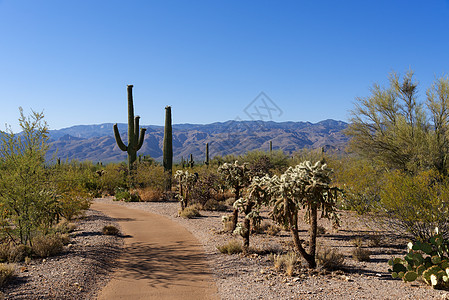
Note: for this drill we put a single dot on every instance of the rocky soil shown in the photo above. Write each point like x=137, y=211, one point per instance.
x=83, y=268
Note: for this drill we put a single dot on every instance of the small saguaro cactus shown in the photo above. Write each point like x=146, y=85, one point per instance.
x=206, y=162
x=168, y=149
x=191, y=162
x=271, y=147
x=135, y=140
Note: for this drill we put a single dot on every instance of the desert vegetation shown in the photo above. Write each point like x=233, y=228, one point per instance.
x=395, y=172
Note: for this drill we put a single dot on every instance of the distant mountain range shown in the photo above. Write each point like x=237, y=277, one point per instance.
x=97, y=143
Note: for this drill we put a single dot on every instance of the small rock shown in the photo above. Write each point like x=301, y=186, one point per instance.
x=296, y=279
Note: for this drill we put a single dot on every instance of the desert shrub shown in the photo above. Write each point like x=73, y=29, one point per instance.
x=114, y=176
x=126, y=195
x=273, y=229
x=149, y=175
x=232, y=247
x=110, y=230
x=416, y=204
x=361, y=254
x=64, y=227
x=10, y=252
x=329, y=258
x=286, y=262
x=189, y=212
x=47, y=245
x=357, y=242
x=6, y=273
x=375, y=240
x=150, y=194
x=320, y=230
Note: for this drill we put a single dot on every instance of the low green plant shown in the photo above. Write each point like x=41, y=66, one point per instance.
x=6, y=273
x=428, y=261
x=232, y=247
x=126, y=195
x=110, y=230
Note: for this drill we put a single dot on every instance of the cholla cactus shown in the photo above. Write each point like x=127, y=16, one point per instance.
x=237, y=177
x=303, y=186
x=186, y=182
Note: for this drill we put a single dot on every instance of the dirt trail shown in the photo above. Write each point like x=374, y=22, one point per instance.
x=161, y=259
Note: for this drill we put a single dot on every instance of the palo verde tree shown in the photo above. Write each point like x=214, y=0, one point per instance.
x=135, y=140
x=303, y=186
x=27, y=201
x=393, y=128
x=236, y=177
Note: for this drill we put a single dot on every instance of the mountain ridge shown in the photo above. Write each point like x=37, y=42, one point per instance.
x=96, y=142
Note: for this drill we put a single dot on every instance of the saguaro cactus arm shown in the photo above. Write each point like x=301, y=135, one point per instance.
x=118, y=139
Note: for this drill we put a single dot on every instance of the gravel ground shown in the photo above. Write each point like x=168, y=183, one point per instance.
x=77, y=273
x=253, y=276
x=82, y=269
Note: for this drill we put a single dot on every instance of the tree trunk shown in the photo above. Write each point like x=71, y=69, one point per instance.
x=313, y=230
x=293, y=220
x=235, y=213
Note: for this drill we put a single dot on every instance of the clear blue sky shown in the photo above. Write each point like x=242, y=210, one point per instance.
x=209, y=59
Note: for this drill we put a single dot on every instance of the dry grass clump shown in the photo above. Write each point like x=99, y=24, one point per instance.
x=232, y=247
x=357, y=242
x=320, y=230
x=286, y=262
x=10, y=252
x=330, y=258
x=375, y=240
x=110, y=230
x=48, y=245
x=189, y=212
x=361, y=254
x=6, y=273
x=65, y=227
x=150, y=194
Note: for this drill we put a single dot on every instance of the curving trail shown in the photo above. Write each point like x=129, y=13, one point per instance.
x=161, y=259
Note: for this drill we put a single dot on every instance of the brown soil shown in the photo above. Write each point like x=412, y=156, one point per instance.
x=160, y=260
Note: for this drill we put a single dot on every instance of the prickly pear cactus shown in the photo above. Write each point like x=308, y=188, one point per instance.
x=426, y=260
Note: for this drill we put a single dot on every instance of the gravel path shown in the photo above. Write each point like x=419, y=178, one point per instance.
x=77, y=273
x=81, y=270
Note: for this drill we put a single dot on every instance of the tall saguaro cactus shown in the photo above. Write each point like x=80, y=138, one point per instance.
x=168, y=149
x=135, y=140
x=206, y=162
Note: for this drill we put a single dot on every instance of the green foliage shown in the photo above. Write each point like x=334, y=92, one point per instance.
x=360, y=181
x=122, y=194
x=392, y=128
x=416, y=203
x=304, y=186
x=28, y=203
x=150, y=176
x=426, y=260
x=115, y=176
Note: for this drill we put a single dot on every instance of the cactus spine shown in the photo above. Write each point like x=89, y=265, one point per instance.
x=135, y=140
x=206, y=162
x=168, y=149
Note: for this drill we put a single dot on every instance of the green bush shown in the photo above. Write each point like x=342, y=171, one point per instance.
x=416, y=204
x=126, y=195
x=10, y=252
